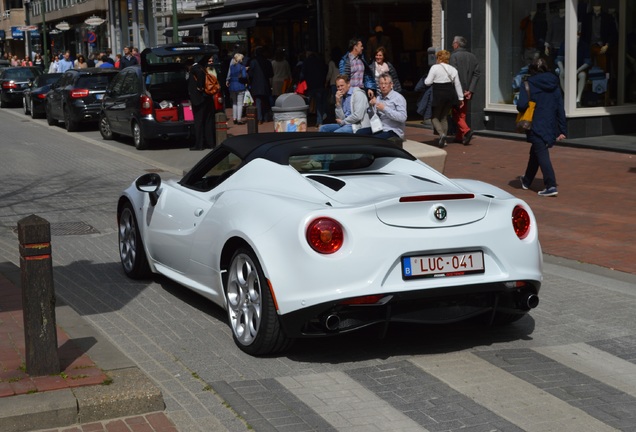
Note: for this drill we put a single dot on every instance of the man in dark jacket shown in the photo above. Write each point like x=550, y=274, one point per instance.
x=127, y=59
x=354, y=65
x=314, y=72
x=468, y=72
x=202, y=105
x=260, y=73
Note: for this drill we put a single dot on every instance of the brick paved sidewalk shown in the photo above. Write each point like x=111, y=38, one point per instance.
x=153, y=422
x=77, y=369
x=589, y=221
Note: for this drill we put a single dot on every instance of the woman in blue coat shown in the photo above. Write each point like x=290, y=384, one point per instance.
x=236, y=80
x=548, y=124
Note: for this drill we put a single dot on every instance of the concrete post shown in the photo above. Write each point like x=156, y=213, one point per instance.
x=38, y=296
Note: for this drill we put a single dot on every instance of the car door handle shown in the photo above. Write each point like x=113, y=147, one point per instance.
x=198, y=212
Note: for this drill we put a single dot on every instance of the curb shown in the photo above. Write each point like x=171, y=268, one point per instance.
x=130, y=393
x=432, y=156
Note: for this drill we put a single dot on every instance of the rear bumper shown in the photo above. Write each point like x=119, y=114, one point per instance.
x=431, y=306
x=85, y=113
x=12, y=96
x=153, y=129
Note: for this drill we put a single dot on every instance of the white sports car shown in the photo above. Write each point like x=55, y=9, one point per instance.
x=314, y=234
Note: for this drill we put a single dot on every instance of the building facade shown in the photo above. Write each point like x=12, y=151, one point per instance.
x=505, y=35
x=590, y=44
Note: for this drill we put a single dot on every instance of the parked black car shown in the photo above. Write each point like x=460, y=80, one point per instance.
x=34, y=96
x=150, y=101
x=13, y=81
x=76, y=97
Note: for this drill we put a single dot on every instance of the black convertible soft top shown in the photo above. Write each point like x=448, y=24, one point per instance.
x=278, y=147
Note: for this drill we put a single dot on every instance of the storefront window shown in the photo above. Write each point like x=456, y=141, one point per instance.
x=584, y=37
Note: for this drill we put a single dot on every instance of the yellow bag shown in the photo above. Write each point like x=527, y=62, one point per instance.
x=524, y=119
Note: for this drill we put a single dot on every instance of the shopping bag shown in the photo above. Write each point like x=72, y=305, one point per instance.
x=247, y=98
x=376, y=123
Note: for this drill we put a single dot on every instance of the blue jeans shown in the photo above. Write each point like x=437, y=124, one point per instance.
x=335, y=127
x=540, y=158
x=383, y=134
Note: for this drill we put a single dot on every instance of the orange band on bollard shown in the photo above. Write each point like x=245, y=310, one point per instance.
x=37, y=257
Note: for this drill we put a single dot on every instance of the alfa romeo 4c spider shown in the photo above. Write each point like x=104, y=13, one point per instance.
x=312, y=234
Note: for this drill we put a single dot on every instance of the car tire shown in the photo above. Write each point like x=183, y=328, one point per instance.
x=70, y=124
x=3, y=103
x=49, y=118
x=250, y=307
x=25, y=106
x=141, y=143
x=105, y=129
x=131, y=249
x=33, y=114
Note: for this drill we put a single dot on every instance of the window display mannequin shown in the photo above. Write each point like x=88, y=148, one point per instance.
x=556, y=34
x=583, y=63
x=534, y=27
x=599, y=32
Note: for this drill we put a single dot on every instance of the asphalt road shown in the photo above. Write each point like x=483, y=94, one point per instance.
x=569, y=366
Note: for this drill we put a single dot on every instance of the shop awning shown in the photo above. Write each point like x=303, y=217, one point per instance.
x=247, y=18
x=189, y=28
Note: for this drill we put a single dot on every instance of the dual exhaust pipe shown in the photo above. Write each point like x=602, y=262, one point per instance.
x=526, y=301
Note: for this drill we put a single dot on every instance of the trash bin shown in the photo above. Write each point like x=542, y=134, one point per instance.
x=290, y=113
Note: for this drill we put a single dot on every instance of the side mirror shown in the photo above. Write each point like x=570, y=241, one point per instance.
x=149, y=183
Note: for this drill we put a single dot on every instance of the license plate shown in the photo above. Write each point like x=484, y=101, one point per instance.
x=99, y=96
x=443, y=265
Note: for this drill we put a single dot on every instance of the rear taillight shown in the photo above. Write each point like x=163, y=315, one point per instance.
x=41, y=96
x=520, y=222
x=325, y=235
x=79, y=93
x=145, y=104
x=9, y=85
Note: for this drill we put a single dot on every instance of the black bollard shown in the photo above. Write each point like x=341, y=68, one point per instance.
x=221, y=127
x=252, y=122
x=38, y=296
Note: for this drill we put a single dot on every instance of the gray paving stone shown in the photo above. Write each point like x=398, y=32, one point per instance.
x=591, y=396
x=439, y=408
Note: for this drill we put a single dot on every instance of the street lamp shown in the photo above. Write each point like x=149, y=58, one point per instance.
x=44, y=43
x=45, y=47
x=175, y=23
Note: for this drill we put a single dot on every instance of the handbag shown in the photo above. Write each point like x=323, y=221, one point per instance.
x=524, y=119
x=455, y=101
x=301, y=88
x=287, y=85
x=218, y=102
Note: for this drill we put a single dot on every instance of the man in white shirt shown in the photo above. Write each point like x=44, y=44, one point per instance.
x=391, y=108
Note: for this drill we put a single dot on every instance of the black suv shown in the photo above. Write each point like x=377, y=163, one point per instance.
x=13, y=81
x=76, y=97
x=150, y=101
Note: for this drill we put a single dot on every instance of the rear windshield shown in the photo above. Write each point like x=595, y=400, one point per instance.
x=96, y=82
x=19, y=74
x=330, y=162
